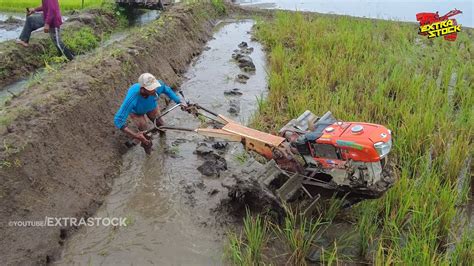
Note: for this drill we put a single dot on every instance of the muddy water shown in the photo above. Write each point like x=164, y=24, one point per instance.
x=10, y=31
x=167, y=201
x=134, y=20
x=143, y=17
x=11, y=91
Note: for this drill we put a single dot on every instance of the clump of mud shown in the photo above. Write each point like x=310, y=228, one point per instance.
x=233, y=92
x=243, y=59
x=242, y=78
x=245, y=192
x=234, y=107
x=213, y=164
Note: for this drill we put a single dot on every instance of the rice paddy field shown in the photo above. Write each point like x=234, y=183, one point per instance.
x=20, y=5
x=381, y=72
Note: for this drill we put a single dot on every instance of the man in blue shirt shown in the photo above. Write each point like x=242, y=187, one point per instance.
x=141, y=102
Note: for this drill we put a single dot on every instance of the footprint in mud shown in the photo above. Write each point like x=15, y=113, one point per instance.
x=233, y=92
x=234, y=107
x=190, y=189
x=243, y=59
x=213, y=162
x=242, y=78
x=172, y=152
x=178, y=142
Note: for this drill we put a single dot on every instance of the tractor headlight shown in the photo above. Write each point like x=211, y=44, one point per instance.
x=383, y=148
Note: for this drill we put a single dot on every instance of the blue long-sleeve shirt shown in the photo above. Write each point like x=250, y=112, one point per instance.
x=135, y=103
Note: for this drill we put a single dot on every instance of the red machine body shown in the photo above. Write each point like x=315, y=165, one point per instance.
x=348, y=145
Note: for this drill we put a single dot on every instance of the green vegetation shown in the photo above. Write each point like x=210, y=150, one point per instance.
x=298, y=233
x=241, y=157
x=383, y=72
x=219, y=6
x=296, y=236
x=79, y=41
x=246, y=248
x=20, y=5
x=82, y=40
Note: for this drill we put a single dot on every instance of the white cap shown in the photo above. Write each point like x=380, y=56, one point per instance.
x=148, y=81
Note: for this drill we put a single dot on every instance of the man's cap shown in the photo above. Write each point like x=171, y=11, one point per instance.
x=148, y=81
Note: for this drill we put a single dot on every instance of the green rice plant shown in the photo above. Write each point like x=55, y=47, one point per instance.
x=331, y=211
x=236, y=252
x=255, y=232
x=367, y=228
x=219, y=6
x=242, y=157
x=383, y=72
x=329, y=257
x=382, y=259
x=463, y=252
x=298, y=233
x=246, y=248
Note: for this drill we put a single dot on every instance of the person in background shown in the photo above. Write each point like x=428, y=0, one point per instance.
x=50, y=18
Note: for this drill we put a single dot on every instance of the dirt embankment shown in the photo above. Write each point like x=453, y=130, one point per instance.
x=17, y=61
x=60, y=149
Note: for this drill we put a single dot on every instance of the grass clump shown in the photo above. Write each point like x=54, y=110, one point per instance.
x=78, y=41
x=295, y=238
x=219, y=6
x=81, y=41
x=383, y=72
x=246, y=248
x=241, y=157
x=298, y=233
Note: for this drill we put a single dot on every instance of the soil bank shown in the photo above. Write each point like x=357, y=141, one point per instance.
x=18, y=62
x=60, y=149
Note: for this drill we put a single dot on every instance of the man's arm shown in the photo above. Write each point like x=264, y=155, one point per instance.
x=32, y=10
x=169, y=92
x=136, y=135
x=120, y=119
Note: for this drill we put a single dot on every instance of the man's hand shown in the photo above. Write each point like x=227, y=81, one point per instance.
x=30, y=11
x=184, y=107
x=46, y=28
x=142, y=138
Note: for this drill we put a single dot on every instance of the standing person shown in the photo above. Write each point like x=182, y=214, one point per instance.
x=51, y=20
x=140, y=103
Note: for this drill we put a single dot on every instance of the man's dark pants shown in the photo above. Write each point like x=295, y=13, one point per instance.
x=36, y=21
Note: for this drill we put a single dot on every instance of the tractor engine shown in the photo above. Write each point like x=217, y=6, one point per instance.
x=350, y=155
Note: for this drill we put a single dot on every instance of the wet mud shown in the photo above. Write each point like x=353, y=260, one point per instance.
x=172, y=196
x=61, y=151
